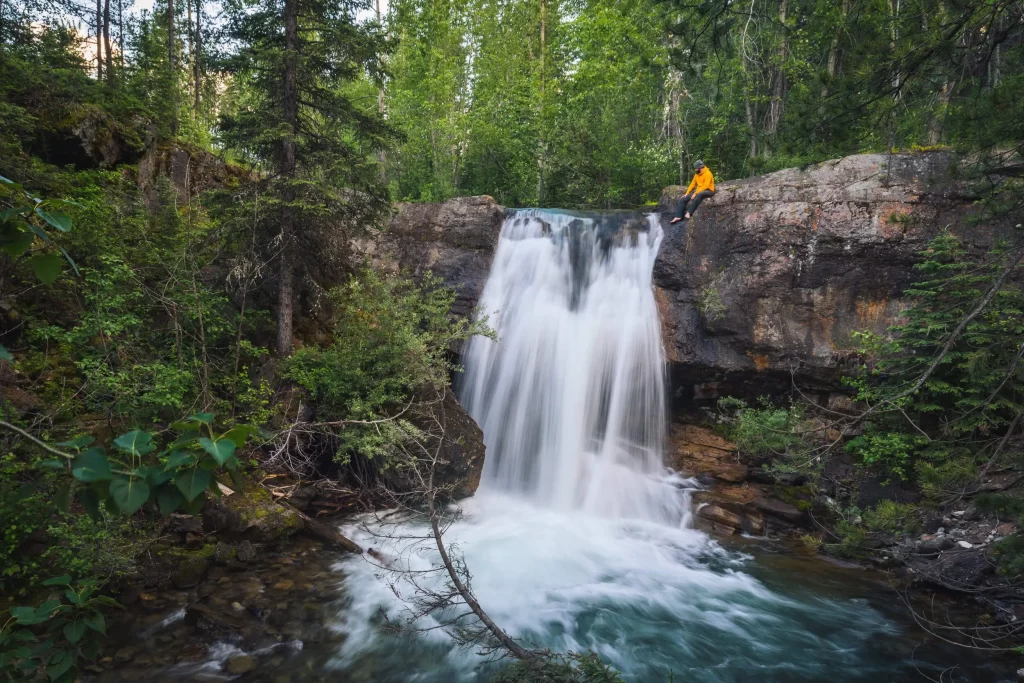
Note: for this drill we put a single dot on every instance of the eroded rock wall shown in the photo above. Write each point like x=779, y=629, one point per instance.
x=775, y=273
x=455, y=240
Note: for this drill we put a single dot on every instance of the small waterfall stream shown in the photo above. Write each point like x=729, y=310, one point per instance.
x=571, y=396
x=578, y=538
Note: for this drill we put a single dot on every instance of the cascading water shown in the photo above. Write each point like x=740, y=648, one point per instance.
x=571, y=397
x=577, y=540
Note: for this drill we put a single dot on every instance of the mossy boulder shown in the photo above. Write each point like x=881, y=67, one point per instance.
x=250, y=515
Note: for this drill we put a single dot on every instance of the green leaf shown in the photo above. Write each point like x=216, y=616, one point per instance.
x=221, y=450
x=57, y=219
x=73, y=597
x=58, y=581
x=129, y=494
x=194, y=507
x=5, y=354
x=90, y=501
x=62, y=497
x=74, y=631
x=96, y=622
x=47, y=608
x=53, y=464
x=239, y=435
x=135, y=442
x=15, y=242
x=47, y=267
x=168, y=500
x=55, y=671
x=92, y=465
x=79, y=442
x=205, y=418
x=26, y=616
x=177, y=459
x=193, y=483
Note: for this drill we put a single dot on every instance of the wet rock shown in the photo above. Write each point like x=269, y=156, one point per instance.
x=241, y=664
x=191, y=570
x=720, y=516
x=246, y=552
x=964, y=545
x=697, y=451
x=930, y=544
x=252, y=516
x=872, y=491
x=779, y=509
x=223, y=554
x=956, y=569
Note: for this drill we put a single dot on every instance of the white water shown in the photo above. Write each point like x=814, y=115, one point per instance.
x=578, y=538
x=571, y=397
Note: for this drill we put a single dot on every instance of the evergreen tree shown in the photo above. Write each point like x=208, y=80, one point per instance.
x=294, y=118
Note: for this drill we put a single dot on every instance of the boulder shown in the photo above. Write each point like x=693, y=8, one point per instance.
x=455, y=240
x=250, y=516
x=697, y=451
x=774, y=273
x=187, y=170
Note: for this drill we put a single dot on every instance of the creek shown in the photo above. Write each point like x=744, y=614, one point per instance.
x=579, y=538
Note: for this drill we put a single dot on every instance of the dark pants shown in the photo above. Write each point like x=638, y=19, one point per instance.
x=693, y=201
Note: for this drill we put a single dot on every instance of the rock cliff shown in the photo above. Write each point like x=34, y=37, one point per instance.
x=455, y=240
x=774, y=273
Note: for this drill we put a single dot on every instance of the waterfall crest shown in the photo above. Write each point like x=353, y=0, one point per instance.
x=571, y=398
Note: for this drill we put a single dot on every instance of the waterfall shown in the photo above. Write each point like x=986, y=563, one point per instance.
x=571, y=396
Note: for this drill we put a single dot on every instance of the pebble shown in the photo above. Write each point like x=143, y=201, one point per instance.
x=941, y=530
x=959, y=513
x=236, y=666
x=965, y=545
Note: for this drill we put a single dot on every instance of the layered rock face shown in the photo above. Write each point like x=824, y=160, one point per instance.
x=774, y=273
x=455, y=240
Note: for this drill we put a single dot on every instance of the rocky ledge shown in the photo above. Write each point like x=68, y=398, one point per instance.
x=774, y=273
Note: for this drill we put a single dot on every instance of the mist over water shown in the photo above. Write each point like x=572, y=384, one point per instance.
x=579, y=538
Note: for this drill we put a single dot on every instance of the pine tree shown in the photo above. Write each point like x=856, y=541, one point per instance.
x=297, y=121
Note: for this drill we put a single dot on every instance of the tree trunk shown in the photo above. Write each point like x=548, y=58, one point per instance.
x=197, y=63
x=106, y=41
x=381, y=154
x=832, y=65
x=171, y=66
x=747, y=101
x=99, y=40
x=894, y=38
x=938, y=118
x=777, y=102
x=286, y=287
x=120, y=33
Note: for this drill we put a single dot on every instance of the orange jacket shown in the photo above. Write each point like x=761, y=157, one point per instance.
x=701, y=181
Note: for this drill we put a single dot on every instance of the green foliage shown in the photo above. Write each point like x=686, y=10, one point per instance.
x=391, y=340
x=937, y=433
x=26, y=226
x=50, y=639
x=570, y=668
x=1009, y=556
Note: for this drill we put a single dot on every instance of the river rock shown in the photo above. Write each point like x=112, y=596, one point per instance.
x=246, y=552
x=779, y=509
x=241, y=664
x=718, y=515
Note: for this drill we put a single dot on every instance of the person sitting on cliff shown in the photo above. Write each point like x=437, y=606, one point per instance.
x=701, y=187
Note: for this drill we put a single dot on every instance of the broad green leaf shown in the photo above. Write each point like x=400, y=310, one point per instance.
x=78, y=442
x=53, y=464
x=221, y=449
x=56, y=671
x=157, y=477
x=47, y=608
x=205, y=418
x=58, y=581
x=177, y=459
x=57, y=219
x=10, y=213
x=193, y=483
x=239, y=435
x=5, y=354
x=92, y=465
x=194, y=507
x=16, y=242
x=129, y=494
x=135, y=442
x=73, y=597
x=90, y=501
x=168, y=500
x=71, y=261
x=96, y=622
x=47, y=267
x=62, y=497
x=74, y=631
x=26, y=616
